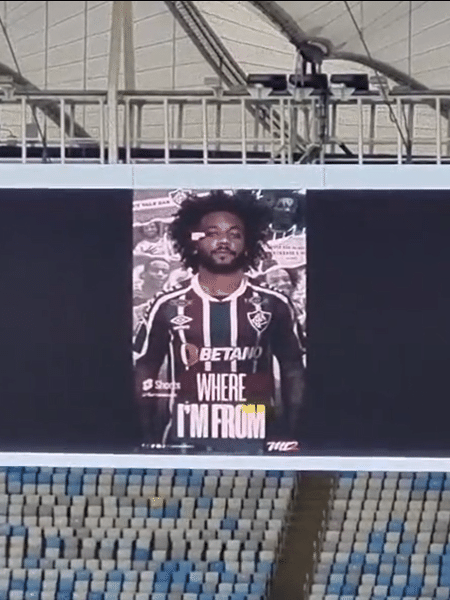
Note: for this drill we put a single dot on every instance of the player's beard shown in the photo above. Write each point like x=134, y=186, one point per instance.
x=208, y=263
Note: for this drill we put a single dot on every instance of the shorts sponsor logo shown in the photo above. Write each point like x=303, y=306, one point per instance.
x=151, y=384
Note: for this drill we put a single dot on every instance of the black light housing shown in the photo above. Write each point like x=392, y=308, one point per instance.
x=316, y=81
x=357, y=81
x=276, y=82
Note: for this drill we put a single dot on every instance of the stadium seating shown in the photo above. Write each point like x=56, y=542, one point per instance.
x=387, y=538
x=104, y=534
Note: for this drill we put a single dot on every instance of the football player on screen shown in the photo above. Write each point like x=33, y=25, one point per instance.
x=219, y=337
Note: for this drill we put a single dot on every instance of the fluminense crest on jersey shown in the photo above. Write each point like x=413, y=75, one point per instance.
x=259, y=320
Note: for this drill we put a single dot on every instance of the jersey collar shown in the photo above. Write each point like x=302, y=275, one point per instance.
x=199, y=290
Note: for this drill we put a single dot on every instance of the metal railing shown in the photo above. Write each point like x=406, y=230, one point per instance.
x=207, y=127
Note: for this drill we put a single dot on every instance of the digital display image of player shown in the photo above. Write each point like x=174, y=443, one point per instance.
x=205, y=351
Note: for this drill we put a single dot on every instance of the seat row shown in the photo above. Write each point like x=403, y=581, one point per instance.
x=151, y=471
x=149, y=491
x=244, y=568
x=20, y=595
x=374, y=475
x=11, y=530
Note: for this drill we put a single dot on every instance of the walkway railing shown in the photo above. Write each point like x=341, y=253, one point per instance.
x=209, y=127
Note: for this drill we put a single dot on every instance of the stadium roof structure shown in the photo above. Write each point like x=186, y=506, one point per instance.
x=59, y=45
x=180, y=45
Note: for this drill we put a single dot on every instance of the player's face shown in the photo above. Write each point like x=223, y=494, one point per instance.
x=280, y=281
x=222, y=247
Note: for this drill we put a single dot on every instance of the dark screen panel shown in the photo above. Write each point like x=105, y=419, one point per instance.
x=65, y=318
x=378, y=322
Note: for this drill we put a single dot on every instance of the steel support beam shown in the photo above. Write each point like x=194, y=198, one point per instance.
x=115, y=47
x=128, y=47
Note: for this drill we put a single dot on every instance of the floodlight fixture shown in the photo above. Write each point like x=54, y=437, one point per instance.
x=356, y=81
x=261, y=85
x=303, y=85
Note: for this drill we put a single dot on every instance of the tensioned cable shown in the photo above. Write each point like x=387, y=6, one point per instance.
x=378, y=76
x=19, y=72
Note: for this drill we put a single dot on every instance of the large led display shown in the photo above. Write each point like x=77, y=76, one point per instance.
x=219, y=282
x=277, y=324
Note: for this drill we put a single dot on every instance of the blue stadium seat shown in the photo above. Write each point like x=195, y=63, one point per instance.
x=349, y=589
x=17, y=585
x=384, y=579
x=433, y=559
x=370, y=569
x=401, y=569
x=406, y=548
x=141, y=554
x=203, y=502
x=412, y=590
x=396, y=590
x=229, y=524
x=264, y=566
x=218, y=567
x=170, y=566
x=33, y=585
x=171, y=512
x=334, y=589
x=357, y=558
x=339, y=568
x=30, y=563
x=387, y=557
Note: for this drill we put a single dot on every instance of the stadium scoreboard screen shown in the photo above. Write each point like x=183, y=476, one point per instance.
x=271, y=313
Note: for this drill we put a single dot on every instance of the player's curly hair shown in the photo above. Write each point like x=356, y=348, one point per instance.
x=255, y=214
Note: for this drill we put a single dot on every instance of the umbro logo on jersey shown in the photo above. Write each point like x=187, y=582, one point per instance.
x=259, y=320
x=181, y=322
